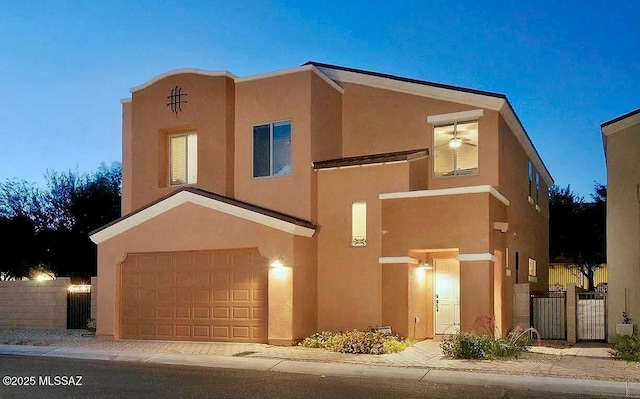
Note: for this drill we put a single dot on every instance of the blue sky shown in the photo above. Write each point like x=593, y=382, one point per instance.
x=566, y=66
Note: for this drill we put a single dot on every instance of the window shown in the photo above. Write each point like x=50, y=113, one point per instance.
x=272, y=149
x=533, y=267
x=359, y=224
x=537, y=188
x=455, y=149
x=530, y=179
x=183, y=158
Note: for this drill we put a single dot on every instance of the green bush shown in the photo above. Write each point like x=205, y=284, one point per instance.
x=356, y=341
x=626, y=348
x=481, y=346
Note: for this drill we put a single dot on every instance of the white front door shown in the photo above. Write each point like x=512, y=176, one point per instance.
x=447, y=296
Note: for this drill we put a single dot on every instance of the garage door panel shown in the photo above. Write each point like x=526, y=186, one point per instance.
x=221, y=313
x=202, y=295
x=221, y=295
x=205, y=295
x=165, y=295
x=202, y=331
x=147, y=330
x=183, y=280
x=241, y=313
x=165, y=280
x=242, y=332
x=221, y=278
x=183, y=331
x=182, y=312
x=147, y=312
x=258, y=295
x=146, y=296
x=165, y=331
x=200, y=313
x=241, y=295
x=258, y=313
x=183, y=295
x=241, y=277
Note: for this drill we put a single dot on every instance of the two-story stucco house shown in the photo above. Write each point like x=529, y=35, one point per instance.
x=268, y=207
x=621, y=140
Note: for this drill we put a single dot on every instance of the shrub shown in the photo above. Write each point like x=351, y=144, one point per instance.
x=626, y=348
x=482, y=346
x=370, y=341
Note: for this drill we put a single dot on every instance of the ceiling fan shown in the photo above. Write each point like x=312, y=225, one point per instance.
x=458, y=139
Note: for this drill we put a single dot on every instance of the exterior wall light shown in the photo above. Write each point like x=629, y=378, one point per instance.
x=79, y=289
x=425, y=266
x=277, y=263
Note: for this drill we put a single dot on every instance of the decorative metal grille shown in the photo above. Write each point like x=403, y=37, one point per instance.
x=176, y=100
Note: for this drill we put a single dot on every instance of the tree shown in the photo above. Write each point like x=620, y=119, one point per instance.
x=61, y=218
x=16, y=246
x=577, y=228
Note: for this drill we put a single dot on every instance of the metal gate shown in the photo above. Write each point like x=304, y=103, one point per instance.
x=78, y=307
x=549, y=314
x=592, y=316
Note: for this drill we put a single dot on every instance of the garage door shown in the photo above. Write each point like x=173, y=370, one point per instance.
x=204, y=295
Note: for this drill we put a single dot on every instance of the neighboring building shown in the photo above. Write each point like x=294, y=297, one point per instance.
x=268, y=207
x=561, y=274
x=621, y=138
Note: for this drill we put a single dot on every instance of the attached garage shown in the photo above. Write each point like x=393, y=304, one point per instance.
x=197, y=266
x=201, y=295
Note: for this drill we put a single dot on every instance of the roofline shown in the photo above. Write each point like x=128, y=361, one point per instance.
x=196, y=71
x=404, y=79
x=302, y=68
x=210, y=200
x=479, y=98
x=373, y=159
x=620, y=118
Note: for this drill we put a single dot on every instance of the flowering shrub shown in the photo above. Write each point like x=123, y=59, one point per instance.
x=370, y=341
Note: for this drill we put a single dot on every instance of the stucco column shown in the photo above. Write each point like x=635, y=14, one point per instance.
x=476, y=294
x=280, y=330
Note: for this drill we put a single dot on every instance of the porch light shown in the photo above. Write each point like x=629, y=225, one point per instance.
x=425, y=266
x=277, y=263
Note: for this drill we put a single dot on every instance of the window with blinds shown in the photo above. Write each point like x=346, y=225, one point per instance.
x=183, y=159
x=455, y=149
x=359, y=224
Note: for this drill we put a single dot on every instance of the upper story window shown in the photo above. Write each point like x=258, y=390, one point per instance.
x=183, y=159
x=272, y=149
x=359, y=224
x=455, y=149
x=537, y=188
x=530, y=179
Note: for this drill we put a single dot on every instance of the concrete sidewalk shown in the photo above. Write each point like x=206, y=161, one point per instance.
x=585, y=369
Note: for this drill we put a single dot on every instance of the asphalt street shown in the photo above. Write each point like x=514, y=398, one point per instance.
x=57, y=378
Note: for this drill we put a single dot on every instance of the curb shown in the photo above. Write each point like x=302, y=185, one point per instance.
x=423, y=375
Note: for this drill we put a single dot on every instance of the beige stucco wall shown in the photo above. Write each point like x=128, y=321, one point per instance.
x=377, y=120
x=190, y=227
x=148, y=122
x=528, y=229
x=346, y=274
x=34, y=304
x=94, y=297
x=623, y=225
x=262, y=101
